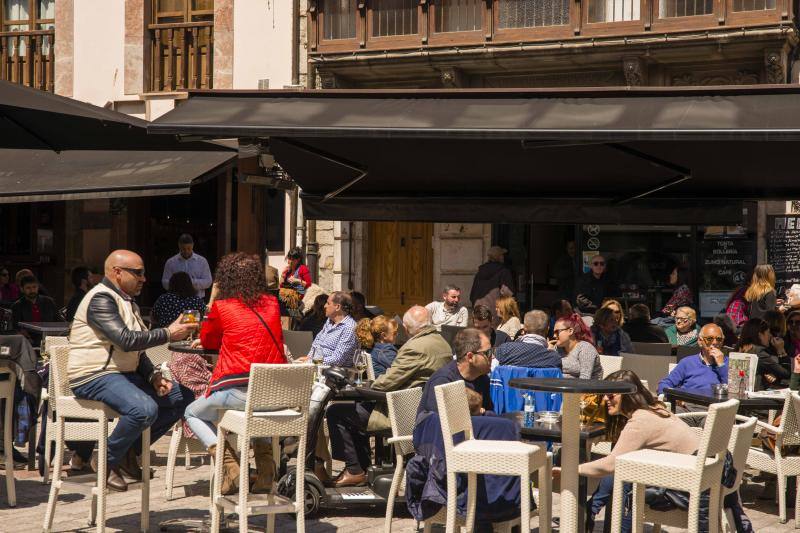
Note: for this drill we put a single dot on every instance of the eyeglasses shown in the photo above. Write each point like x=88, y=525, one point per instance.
x=488, y=353
x=714, y=339
x=682, y=319
x=557, y=332
x=138, y=272
x=598, y=263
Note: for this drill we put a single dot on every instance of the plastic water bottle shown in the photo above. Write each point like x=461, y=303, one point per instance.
x=529, y=410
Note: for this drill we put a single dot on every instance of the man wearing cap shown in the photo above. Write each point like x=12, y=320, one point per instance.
x=494, y=279
x=187, y=261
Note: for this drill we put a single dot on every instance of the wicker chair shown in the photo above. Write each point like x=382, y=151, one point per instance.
x=278, y=397
x=370, y=367
x=180, y=444
x=7, y=396
x=610, y=364
x=95, y=417
x=473, y=457
x=159, y=354
x=403, y=406
x=738, y=444
x=690, y=473
x=50, y=342
x=786, y=434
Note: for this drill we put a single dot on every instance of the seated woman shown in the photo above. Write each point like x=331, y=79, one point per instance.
x=616, y=308
x=756, y=338
x=579, y=358
x=681, y=293
x=377, y=336
x=609, y=337
x=244, y=325
x=643, y=422
x=315, y=319
x=180, y=297
x=508, y=314
x=685, y=330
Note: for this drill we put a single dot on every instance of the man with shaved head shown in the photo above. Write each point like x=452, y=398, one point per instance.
x=700, y=371
x=107, y=363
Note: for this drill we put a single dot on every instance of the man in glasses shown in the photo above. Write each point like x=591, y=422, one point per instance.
x=107, y=363
x=594, y=286
x=701, y=371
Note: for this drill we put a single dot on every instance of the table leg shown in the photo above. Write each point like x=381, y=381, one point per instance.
x=32, y=443
x=571, y=517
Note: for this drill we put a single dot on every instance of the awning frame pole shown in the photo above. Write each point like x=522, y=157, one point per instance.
x=684, y=173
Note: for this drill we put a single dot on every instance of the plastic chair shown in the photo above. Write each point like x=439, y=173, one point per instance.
x=370, y=367
x=738, y=444
x=402, y=406
x=498, y=457
x=691, y=473
x=95, y=417
x=652, y=348
x=50, y=342
x=610, y=364
x=298, y=342
x=786, y=434
x=7, y=396
x=278, y=397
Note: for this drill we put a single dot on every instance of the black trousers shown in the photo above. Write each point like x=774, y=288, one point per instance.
x=347, y=426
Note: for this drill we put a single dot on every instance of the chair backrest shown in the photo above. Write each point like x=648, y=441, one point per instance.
x=672, y=367
x=717, y=431
x=403, y=406
x=739, y=444
x=789, y=421
x=652, y=368
x=652, y=348
x=275, y=387
x=370, y=366
x=298, y=342
x=610, y=364
x=685, y=351
x=402, y=332
x=159, y=354
x=51, y=341
x=59, y=380
x=449, y=333
x=454, y=417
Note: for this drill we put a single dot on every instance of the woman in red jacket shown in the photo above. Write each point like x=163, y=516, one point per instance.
x=244, y=325
x=296, y=274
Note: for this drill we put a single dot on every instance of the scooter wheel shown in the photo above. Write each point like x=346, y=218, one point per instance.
x=312, y=500
x=312, y=496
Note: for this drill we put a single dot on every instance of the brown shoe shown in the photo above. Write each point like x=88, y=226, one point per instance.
x=322, y=473
x=346, y=479
x=115, y=481
x=130, y=466
x=265, y=467
x=230, y=469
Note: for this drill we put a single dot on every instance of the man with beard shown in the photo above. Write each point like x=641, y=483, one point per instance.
x=449, y=311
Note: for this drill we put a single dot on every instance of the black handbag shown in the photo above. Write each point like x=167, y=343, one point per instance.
x=663, y=499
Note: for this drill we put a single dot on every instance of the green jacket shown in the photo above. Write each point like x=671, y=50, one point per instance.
x=672, y=335
x=421, y=356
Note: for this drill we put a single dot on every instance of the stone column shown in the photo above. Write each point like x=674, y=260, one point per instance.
x=64, y=48
x=223, y=44
x=135, y=42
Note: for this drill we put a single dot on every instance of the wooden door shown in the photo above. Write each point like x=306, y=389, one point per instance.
x=400, y=265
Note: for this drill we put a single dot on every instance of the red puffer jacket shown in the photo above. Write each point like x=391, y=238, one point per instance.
x=234, y=329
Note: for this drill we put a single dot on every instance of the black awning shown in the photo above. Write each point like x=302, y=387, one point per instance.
x=43, y=175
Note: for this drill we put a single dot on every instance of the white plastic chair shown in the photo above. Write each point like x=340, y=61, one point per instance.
x=95, y=427
x=610, y=364
x=786, y=434
x=738, y=444
x=691, y=473
x=50, y=342
x=498, y=457
x=370, y=367
x=7, y=396
x=402, y=406
x=278, y=397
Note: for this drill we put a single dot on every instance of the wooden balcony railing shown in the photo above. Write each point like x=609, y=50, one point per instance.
x=26, y=57
x=346, y=26
x=182, y=56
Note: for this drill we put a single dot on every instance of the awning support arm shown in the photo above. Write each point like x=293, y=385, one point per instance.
x=683, y=172
x=362, y=172
x=32, y=133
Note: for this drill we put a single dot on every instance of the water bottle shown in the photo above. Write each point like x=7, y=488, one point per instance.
x=529, y=410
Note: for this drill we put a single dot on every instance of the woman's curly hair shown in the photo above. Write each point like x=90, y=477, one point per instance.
x=241, y=275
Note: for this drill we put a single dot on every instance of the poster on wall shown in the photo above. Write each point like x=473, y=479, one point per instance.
x=725, y=263
x=783, y=250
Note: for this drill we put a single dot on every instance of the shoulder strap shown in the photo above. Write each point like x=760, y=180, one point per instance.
x=264, y=323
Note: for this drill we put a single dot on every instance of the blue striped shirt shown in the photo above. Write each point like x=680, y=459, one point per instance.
x=337, y=342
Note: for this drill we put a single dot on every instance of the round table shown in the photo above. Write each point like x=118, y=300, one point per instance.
x=572, y=518
x=186, y=347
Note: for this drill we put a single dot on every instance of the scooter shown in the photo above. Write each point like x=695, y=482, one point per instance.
x=318, y=496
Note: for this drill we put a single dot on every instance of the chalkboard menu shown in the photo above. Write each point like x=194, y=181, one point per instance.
x=783, y=249
x=725, y=263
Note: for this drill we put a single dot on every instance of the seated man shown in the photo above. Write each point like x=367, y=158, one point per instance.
x=482, y=320
x=107, y=364
x=449, y=311
x=700, y=371
x=32, y=307
x=639, y=328
x=531, y=349
x=337, y=339
x=422, y=355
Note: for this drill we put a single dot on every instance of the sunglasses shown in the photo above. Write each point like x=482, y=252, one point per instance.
x=488, y=353
x=598, y=263
x=138, y=272
x=714, y=339
x=557, y=332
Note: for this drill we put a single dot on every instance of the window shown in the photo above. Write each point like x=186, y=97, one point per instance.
x=613, y=10
x=181, y=40
x=276, y=219
x=26, y=48
x=458, y=15
x=394, y=17
x=339, y=19
x=753, y=5
x=532, y=13
x=684, y=8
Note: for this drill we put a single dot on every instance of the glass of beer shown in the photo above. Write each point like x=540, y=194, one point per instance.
x=190, y=316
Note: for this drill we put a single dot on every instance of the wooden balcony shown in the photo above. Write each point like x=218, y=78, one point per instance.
x=182, y=56
x=348, y=26
x=26, y=57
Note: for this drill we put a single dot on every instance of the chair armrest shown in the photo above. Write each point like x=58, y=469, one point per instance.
x=768, y=427
x=404, y=438
x=693, y=414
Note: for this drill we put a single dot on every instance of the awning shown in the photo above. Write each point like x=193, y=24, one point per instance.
x=43, y=175
x=654, y=155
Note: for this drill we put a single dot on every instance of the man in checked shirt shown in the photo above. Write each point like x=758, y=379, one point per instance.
x=337, y=341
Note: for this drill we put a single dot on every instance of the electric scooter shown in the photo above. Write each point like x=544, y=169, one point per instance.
x=317, y=496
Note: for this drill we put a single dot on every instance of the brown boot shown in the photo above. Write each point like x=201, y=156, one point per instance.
x=265, y=466
x=230, y=469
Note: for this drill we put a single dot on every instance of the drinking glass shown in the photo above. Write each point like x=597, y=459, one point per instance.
x=190, y=316
x=360, y=364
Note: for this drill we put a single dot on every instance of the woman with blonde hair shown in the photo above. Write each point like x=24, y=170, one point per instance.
x=508, y=314
x=377, y=336
x=760, y=294
x=616, y=308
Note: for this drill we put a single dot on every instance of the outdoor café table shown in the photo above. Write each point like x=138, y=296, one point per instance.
x=186, y=347
x=572, y=515
x=60, y=329
x=705, y=398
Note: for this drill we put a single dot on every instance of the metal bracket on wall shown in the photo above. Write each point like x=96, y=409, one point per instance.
x=684, y=173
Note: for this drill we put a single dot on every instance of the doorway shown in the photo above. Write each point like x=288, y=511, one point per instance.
x=400, y=263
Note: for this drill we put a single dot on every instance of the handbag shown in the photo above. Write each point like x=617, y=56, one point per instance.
x=663, y=499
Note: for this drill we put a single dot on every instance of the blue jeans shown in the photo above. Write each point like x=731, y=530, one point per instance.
x=204, y=412
x=139, y=407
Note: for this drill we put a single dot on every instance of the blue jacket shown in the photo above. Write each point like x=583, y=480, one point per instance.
x=528, y=354
x=383, y=353
x=507, y=399
x=692, y=373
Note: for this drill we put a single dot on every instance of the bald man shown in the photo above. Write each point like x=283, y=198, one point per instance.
x=701, y=371
x=107, y=363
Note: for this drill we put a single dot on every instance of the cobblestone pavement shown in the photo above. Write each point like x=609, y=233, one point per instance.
x=190, y=501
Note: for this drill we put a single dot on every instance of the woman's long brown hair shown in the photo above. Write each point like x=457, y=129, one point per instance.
x=630, y=403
